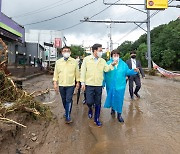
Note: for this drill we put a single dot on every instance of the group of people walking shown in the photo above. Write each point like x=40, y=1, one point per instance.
x=95, y=74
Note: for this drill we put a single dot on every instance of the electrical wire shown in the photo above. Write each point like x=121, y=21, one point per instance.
x=152, y=15
x=104, y=9
x=41, y=9
x=61, y=14
x=79, y=23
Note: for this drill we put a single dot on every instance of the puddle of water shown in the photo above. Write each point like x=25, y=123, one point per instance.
x=47, y=98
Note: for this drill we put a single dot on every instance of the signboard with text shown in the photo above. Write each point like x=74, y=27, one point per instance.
x=156, y=4
x=57, y=43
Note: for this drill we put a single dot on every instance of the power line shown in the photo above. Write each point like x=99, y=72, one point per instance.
x=71, y=26
x=170, y=1
x=79, y=23
x=104, y=9
x=61, y=14
x=136, y=27
x=42, y=9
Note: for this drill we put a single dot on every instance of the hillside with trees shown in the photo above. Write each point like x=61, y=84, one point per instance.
x=165, y=46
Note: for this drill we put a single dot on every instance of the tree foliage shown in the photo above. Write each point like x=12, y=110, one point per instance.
x=77, y=51
x=125, y=47
x=165, y=46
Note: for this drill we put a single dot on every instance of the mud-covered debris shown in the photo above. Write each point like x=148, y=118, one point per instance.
x=33, y=134
x=34, y=138
x=19, y=100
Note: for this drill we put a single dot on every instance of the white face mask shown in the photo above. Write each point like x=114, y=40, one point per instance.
x=116, y=58
x=66, y=54
x=99, y=54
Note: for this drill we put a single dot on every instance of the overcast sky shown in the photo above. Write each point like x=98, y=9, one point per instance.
x=26, y=12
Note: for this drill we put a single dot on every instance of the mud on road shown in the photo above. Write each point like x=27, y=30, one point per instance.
x=151, y=125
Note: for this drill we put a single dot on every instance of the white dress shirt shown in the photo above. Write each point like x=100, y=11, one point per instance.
x=133, y=61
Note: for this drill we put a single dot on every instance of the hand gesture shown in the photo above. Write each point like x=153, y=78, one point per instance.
x=114, y=63
x=136, y=69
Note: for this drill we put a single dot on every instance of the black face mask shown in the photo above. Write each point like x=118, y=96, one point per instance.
x=133, y=56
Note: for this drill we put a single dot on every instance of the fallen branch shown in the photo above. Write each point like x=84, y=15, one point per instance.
x=9, y=120
x=39, y=93
x=33, y=110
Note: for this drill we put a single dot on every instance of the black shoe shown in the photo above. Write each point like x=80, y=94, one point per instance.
x=137, y=95
x=132, y=98
x=119, y=117
x=113, y=112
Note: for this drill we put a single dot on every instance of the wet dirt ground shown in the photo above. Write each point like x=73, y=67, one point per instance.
x=152, y=123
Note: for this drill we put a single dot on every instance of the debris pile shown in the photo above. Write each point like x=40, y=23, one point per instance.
x=13, y=99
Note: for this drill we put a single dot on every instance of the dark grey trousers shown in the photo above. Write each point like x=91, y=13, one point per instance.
x=136, y=79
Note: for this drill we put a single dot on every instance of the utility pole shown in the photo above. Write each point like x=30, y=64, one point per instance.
x=38, y=54
x=0, y=6
x=148, y=39
x=50, y=48
x=110, y=38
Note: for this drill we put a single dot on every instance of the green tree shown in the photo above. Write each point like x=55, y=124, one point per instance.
x=165, y=46
x=76, y=51
x=141, y=54
x=168, y=57
x=126, y=57
x=125, y=48
x=142, y=39
x=165, y=43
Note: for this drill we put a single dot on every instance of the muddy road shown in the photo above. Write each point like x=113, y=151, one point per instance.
x=152, y=124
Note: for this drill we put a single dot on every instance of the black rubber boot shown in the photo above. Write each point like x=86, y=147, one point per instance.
x=119, y=117
x=113, y=112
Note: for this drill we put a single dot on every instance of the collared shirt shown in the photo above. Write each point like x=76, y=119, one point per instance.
x=133, y=61
x=66, y=72
x=95, y=59
x=92, y=71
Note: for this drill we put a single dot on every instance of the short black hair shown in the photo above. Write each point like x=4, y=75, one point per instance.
x=115, y=51
x=96, y=46
x=66, y=47
x=133, y=52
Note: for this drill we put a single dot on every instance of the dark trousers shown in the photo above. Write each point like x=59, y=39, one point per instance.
x=84, y=95
x=93, y=95
x=66, y=94
x=136, y=79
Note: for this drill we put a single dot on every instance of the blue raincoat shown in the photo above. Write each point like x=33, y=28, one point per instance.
x=115, y=82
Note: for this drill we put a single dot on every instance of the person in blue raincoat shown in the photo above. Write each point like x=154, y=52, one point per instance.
x=115, y=82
